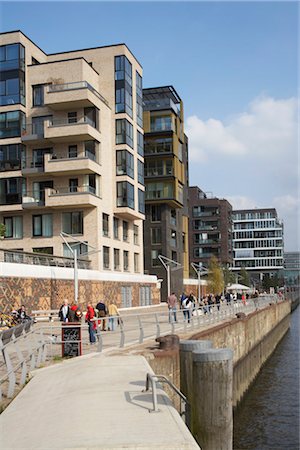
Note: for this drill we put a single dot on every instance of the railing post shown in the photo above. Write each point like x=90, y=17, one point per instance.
x=141, y=337
x=122, y=333
x=10, y=371
x=157, y=326
x=99, y=338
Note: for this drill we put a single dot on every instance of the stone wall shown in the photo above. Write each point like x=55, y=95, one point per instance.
x=41, y=293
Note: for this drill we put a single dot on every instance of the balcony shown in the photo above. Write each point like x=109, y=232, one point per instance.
x=63, y=197
x=161, y=104
x=209, y=241
x=86, y=163
x=72, y=95
x=63, y=131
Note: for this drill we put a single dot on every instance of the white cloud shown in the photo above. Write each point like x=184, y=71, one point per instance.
x=287, y=203
x=242, y=202
x=268, y=129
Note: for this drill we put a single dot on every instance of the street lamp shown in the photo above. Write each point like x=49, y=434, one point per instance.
x=167, y=263
x=63, y=235
x=199, y=269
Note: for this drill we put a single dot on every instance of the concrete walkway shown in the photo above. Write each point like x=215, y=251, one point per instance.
x=89, y=403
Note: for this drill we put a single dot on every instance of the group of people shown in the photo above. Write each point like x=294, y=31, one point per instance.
x=14, y=318
x=189, y=303
x=94, y=316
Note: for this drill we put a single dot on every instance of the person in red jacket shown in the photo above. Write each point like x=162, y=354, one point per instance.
x=90, y=314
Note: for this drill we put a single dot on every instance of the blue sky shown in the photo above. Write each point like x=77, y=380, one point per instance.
x=233, y=63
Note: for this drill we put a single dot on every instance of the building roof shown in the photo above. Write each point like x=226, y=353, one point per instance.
x=156, y=93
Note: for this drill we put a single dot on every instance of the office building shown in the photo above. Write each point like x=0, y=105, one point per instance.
x=71, y=152
x=292, y=268
x=258, y=242
x=210, y=228
x=166, y=185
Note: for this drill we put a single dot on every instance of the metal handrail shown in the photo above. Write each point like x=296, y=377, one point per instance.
x=153, y=379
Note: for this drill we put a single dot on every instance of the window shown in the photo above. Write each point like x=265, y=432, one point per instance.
x=12, y=57
x=136, y=234
x=160, y=145
x=145, y=296
x=11, y=191
x=10, y=156
x=82, y=249
x=116, y=228
x=123, y=85
x=155, y=235
x=12, y=124
x=125, y=194
x=155, y=213
x=13, y=227
x=105, y=257
x=136, y=262
x=72, y=117
x=125, y=260
x=42, y=225
x=72, y=222
x=154, y=258
x=125, y=163
x=90, y=150
x=72, y=151
x=161, y=123
x=140, y=172
x=12, y=90
x=116, y=259
x=125, y=231
x=38, y=95
x=139, y=99
x=159, y=190
x=140, y=143
x=73, y=185
x=126, y=295
x=45, y=250
x=124, y=132
x=105, y=224
x=141, y=201
x=173, y=219
x=173, y=238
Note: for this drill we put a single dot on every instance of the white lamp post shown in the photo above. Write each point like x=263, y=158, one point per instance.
x=167, y=263
x=199, y=269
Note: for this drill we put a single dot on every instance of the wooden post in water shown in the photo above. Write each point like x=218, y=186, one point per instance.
x=186, y=348
x=212, y=398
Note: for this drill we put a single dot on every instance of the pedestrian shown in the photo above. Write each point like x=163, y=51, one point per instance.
x=102, y=312
x=218, y=301
x=187, y=306
x=22, y=316
x=90, y=315
x=64, y=312
x=243, y=299
x=75, y=313
x=112, y=313
x=172, y=305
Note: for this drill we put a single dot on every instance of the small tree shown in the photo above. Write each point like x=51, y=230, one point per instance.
x=215, y=276
x=245, y=279
x=2, y=230
x=229, y=277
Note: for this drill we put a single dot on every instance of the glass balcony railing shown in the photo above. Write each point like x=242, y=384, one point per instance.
x=12, y=64
x=161, y=103
x=75, y=86
x=66, y=190
x=66, y=122
x=12, y=99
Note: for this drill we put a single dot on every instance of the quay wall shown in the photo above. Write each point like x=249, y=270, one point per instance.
x=252, y=339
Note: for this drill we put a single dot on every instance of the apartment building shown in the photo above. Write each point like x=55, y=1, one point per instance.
x=166, y=185
x=257, y=242
x=210, y=228
x=71, y=152
x=292, y=268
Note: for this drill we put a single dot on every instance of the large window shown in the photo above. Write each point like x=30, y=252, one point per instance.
x=125, y=194
x=82, y=248
x=12, y=83
x=136, y=234
x=13, y=227
x=163, y=145
x=124, y=132
x=106, y=257
x=125, y=260
x=116, y=259
x=155, y=235
x=12, y=56
x=10, y=156
x=155, y=213
x=159, y=190
x=116, y=228
x=12, y=124
x=126, y=295
x=38, y=95
x=161, y=123
x=11, y=191
x=125, y=163
x=139, y=99
x=72, y=222
x=158, y=167
x=105, y=224
x=42, y=225
x=145, y=296
x=154, y=258
x=141, y=198
x=140, y=143
x=140, y=172
x=125, y=231
x=123, y=85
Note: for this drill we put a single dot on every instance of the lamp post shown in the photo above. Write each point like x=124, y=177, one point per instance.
x=74, y=252
x=198, y=268
x=167, y=262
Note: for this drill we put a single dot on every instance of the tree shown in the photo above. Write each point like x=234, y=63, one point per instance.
x=229, y=277
x=215, y=276
x=2, y=230
x=245, y=279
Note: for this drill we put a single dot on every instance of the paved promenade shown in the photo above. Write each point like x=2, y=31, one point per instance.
x=92, y=402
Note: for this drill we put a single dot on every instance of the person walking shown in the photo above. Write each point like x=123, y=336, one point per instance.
x=64, y=312
x=112, y=316
x=187, y=306
x=102, y=312
x=172, y=305
x=90, y=315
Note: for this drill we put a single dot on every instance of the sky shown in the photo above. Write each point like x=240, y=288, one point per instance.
x=235, y=66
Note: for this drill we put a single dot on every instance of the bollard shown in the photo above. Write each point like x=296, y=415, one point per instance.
x=212, y=398
x=186, y=348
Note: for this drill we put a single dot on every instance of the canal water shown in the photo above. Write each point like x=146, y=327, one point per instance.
x=268, y=417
